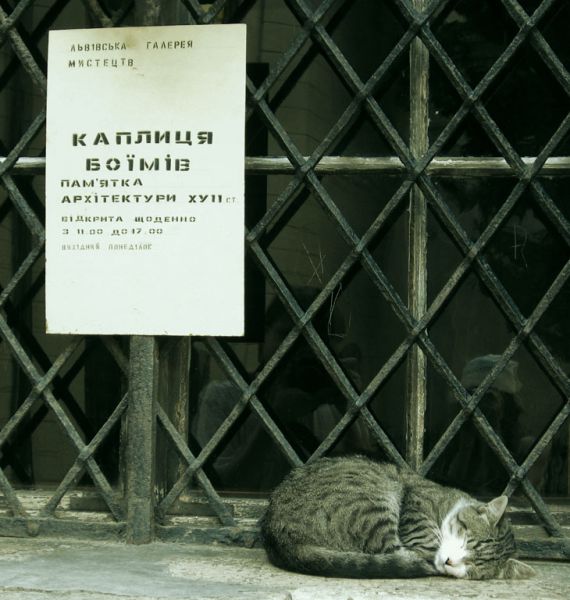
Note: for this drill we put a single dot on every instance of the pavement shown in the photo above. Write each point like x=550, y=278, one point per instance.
x=50, y=569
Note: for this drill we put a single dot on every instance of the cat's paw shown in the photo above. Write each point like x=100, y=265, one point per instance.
x=515, y=569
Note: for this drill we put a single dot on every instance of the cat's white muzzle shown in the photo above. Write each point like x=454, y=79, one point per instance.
x=451, y=555
x=451, y=569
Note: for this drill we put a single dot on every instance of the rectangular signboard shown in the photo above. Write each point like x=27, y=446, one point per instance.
x=145, y=181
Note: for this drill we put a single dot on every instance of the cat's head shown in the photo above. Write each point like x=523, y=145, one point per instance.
x=478, y=543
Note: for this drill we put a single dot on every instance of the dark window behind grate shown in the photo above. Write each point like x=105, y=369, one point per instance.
x=408, y=243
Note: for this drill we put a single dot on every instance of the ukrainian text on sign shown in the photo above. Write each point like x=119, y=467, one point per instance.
x=144, y=181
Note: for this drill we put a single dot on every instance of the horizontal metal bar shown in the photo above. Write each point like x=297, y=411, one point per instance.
x=241, y=535
x=452, y=166
x=61, y=527
x=27, y=166
x=531, y=543
x=543, y=549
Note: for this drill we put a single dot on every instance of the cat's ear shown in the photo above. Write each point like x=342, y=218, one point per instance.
x=515, y=569
x=495, y=509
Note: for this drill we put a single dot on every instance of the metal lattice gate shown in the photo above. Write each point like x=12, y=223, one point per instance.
x=386, y=179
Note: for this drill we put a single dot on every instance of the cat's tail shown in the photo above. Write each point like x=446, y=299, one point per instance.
x=315, y=560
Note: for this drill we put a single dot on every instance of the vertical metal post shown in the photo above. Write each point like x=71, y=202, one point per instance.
x=174, y=386
x=141, y=439
x=143, y=395
x=417, y=260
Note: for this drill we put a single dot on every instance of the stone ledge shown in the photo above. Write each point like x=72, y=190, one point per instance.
x=40, y=569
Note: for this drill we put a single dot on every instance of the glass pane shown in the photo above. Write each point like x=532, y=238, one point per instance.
x=526, y=254
x=308, y=91
x=476, y=36
x=359, y=330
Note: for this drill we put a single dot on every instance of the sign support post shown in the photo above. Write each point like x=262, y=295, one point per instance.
x=140, y=494
x=141, y=439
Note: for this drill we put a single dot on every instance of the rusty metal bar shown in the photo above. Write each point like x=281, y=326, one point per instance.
x=78, y=468
x=25, y=56
x=193, y=469
x=141, y=439
x=144, y=376
x=448, y=166
x=174, y=370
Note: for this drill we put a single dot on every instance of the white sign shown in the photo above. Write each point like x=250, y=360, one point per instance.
x=145, y=180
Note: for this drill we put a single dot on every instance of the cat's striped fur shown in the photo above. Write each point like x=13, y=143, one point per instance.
x=352, y=517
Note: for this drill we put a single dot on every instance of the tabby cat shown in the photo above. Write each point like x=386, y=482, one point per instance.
x=352, y=517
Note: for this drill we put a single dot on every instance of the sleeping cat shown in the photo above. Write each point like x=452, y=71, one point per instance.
x=352, y=517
